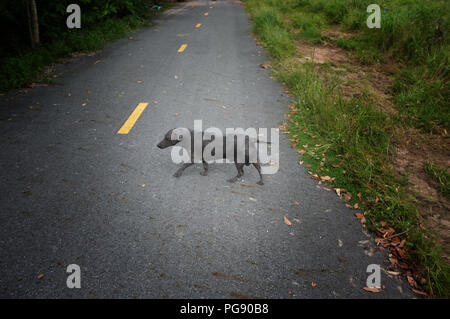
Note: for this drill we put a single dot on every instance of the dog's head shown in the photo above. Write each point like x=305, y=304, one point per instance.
x=171, y=138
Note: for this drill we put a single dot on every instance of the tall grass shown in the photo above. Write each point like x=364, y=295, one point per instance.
x=352, y=134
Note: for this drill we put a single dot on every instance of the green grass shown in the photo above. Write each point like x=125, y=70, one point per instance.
x=352, y=139
x=26, y=67
x=414, y=33
x=439, y=175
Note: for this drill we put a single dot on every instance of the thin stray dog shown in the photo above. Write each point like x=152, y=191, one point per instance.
x=167, y=141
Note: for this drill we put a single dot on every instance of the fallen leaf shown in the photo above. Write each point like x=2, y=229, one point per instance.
x=143, y=185
x=287, y=221
x=359, y=215
x=265, y=66
x=313, y=284
x=252, y=199
x=40, y=276
x=412, y=282
x=419, y=292
x=348, y=197
x=393, y=273
x=375, y=290
x=297, y=203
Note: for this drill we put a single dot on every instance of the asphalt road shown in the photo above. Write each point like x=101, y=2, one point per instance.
x=72, y=189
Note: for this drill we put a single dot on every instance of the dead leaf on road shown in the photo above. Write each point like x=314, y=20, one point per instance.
x=374, y=290
x=40, y=276
x=287, y=221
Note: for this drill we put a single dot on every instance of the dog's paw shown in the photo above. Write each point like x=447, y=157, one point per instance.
x=204, y=173
x=232, y=180
x=177, y=174
x=260, y=183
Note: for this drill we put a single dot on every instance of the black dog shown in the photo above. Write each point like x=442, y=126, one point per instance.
x=167, y=141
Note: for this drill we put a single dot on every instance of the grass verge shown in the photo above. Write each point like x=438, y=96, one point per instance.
x=348, y=142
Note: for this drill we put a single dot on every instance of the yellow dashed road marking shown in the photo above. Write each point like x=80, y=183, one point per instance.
x=128, y=125
x=182, y=48
x=198, y=25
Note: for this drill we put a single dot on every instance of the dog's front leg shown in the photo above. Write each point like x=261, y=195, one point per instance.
x=240, y=169
x=180, y=171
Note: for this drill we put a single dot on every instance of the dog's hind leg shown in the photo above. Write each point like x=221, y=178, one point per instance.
x=240, y=169
x=205, y=167
x=180, y=170
x=258, y=168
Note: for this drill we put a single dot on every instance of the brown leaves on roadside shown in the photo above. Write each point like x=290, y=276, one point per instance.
x=40, y=276
x=287, y=221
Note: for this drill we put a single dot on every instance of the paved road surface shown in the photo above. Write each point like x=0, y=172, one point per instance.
x=72, y=188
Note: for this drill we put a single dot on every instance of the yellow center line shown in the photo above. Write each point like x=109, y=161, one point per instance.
x=198, y=25
x=206, y=13
x=182, y=48
x=128, y=125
